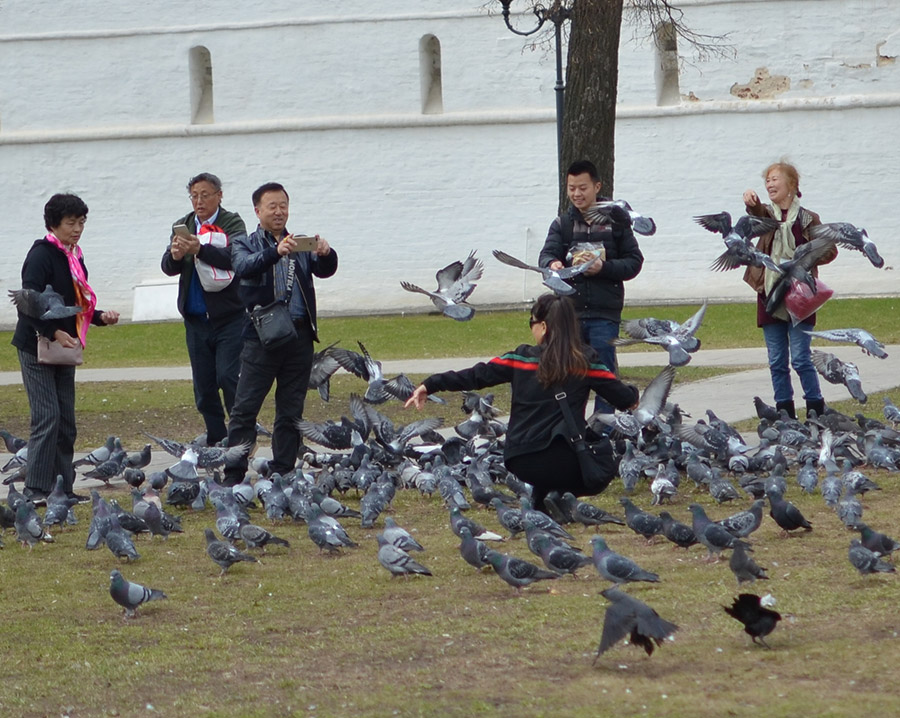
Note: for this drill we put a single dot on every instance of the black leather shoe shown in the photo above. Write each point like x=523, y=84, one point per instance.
x=35, y=496
x=552, y=508
x=80, y=498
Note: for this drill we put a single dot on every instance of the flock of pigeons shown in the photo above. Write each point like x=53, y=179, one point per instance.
x=370, y=457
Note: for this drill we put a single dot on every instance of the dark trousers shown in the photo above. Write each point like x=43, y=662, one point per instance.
x=215, y=351
x=597, y=333
x=288, y=367
x=555, y=468
x=51, y=445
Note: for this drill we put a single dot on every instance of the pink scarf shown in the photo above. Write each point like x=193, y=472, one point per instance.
x=84, y=295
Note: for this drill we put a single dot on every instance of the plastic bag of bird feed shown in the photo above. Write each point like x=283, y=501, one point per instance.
x=801, y=301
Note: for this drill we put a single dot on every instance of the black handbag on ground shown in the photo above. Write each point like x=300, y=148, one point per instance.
x=595, y=458
x=273, y=322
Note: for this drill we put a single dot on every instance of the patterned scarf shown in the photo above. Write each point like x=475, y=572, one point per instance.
x=783, y=247
x=84, y=295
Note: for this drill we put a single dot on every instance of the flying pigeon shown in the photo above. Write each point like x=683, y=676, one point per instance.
x=651, y=404
x=677, y=339
x=455, y=284
x=869, y=344
x=627, y=616
x=45, y=305
x=553, y=278
x=130, y=595
x=739, y=252
x=835, y=371
x=850, y=236
x=758, y=621
x=613, y=209
x=806, y=256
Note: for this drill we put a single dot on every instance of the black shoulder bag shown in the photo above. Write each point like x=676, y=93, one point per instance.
x=273, y=322
x=595, y=458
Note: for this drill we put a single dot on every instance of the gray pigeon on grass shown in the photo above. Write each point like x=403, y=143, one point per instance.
x=130, y=595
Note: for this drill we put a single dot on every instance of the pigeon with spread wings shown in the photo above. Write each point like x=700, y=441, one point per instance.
x=553, y=278
x=455, y=284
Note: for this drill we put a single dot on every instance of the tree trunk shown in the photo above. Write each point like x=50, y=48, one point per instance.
x=592, y=75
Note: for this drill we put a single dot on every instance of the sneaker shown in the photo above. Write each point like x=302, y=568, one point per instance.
x=80, y=498
x=35, y=496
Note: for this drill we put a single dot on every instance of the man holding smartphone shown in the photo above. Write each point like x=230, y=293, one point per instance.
x=274, y=265
x=199, y=253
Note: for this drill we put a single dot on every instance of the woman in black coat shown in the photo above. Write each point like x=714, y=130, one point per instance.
x=55, y=260
x=537, y=449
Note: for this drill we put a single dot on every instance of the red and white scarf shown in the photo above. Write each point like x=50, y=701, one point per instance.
x=84, y=295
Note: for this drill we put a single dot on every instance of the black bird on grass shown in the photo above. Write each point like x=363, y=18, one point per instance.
x=758, y=621
x=786, y=515
x=627, y=616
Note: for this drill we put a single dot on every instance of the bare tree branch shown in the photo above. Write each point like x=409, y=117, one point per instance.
x=646, y=16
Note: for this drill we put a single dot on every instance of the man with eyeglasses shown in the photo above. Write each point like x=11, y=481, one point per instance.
x=199, y=253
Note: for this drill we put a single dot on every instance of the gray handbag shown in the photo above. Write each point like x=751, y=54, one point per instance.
x=52, y=352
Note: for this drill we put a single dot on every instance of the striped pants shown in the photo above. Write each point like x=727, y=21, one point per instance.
x=51, y=445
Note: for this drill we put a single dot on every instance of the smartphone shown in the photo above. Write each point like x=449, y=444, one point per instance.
x=304, y=244
x=181, y=230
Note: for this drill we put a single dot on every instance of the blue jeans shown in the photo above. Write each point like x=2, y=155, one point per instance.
x=786, y=341
x=597, y=333
x=215, y=352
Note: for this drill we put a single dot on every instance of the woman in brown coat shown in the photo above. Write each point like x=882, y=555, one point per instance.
x=786, y=342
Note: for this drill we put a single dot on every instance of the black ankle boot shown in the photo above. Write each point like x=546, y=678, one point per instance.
x=788, y=406
x=817, y=405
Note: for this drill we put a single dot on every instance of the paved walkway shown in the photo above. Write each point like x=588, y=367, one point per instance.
x=730, y=395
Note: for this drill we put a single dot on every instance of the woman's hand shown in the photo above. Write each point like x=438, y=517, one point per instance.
x=751, y=199
x=109, y=318
x=66, y=339
x=418, y=398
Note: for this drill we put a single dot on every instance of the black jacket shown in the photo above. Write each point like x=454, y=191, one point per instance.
x=254, y=258
x=46, y=264
x=600, y=296
x=535, y=417
x=219, y=305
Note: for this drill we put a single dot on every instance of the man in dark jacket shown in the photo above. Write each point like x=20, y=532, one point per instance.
x=600, y=290
x=262, y=263
x=207, y=298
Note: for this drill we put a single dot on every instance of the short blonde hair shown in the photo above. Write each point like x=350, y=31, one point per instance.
x=790, y=174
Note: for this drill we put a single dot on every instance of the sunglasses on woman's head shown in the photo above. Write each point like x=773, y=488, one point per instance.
x=532, y=321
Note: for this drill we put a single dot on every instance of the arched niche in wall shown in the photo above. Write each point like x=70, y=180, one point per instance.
x=666, y=41
x=201, y=86
x=430, y=75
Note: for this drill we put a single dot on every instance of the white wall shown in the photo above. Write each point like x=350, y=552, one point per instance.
x=95, y=99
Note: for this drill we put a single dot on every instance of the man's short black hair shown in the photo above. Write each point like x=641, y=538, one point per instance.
x=60, y=206
x=268, y=187
x=205, y=177
x=579, y=167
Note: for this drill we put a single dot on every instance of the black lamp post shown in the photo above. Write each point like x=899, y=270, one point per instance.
x=557, y=13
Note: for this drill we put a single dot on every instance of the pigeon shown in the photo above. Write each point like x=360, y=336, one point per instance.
x=223, y=553
x=744, y=567
x=677, y=339
x=891, y=412
x=28, y=525
x=118, y=542
x=13, y=443
x=739, y=251
x=876, y=541
x=744, y=523
x=617, y=568
x=399, y=536
x=765, y=411
x=458, y=521
x=365, y=367
x=560, y=558
x=516, y=572
x=139, y=460
x=678, y=533
x=869, y=344
x=627, y=616
x=473, y=551
x=324, y=365
x=509, y=518
x=709, y=533
x=456, y=282
x=835, y=371
x=641, y=522
x=758, y=621
x=325, y=531
x=662, y=488
x=45, y=305
x=866, y=561
x=850, y=236
x=130, y=595
x=257, y=537
x=98, y=455
x=397, y=561
x=542, y=521
x=58, y=505
x=612, y=209
x=651, y=404
x=554, y=279
x=587, y=514
x=786, y=515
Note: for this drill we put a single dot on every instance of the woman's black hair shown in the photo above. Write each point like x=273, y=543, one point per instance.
x=561, y=348
x=60, y=206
